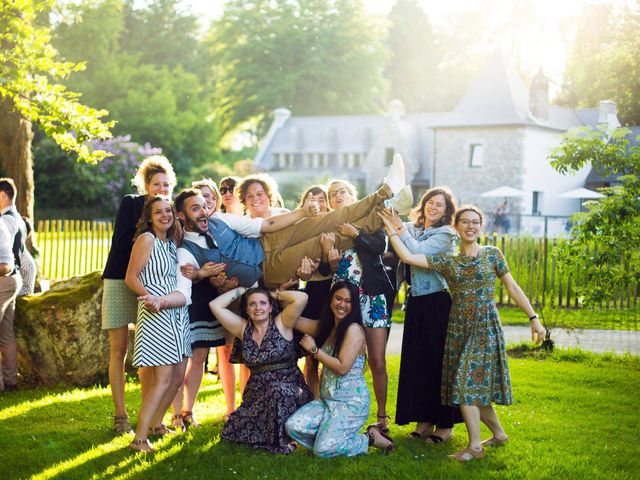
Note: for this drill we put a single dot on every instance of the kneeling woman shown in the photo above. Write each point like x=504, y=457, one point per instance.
x=162, y=340
x=276, y=387
x=329, y=426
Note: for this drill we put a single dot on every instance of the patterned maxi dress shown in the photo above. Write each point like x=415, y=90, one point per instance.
x=330, y=426
x=162, y=338
x=276, y=389
x=474, y=370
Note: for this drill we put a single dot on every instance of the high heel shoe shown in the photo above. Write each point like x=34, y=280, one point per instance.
x=143, y=446
x=374, y=432
x=383, y=428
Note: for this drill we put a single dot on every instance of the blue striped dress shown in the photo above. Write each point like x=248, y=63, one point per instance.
x=162, y=338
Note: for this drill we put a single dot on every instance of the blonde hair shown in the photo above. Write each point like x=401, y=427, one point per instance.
x=149, y=167
x=350, y=186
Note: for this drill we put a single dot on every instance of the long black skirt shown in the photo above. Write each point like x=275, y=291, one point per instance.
x=425, y=331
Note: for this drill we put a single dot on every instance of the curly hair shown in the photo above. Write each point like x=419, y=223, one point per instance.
x=149, y=167
x=267, y=182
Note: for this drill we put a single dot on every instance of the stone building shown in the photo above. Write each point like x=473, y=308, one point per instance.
x=499, y=134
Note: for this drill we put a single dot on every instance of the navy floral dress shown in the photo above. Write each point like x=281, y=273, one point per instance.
x=275, y=390
x=475, y=369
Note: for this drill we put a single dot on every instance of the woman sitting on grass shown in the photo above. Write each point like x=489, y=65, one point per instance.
x=475, y=371
x=330, y=427
x=276, y=387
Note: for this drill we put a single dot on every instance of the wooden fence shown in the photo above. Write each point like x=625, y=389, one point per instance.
x=77, y=247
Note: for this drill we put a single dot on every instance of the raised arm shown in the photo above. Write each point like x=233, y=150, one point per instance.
x=538, y=332
x=308, y=326
x=294, y=302
x=233, y=322
x=351, y=347
x=400, y=248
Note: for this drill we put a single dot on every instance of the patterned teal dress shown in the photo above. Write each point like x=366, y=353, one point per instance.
x=330, y=427
x=474, y=370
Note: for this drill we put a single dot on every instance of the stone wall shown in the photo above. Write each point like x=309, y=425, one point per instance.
x=503, y=153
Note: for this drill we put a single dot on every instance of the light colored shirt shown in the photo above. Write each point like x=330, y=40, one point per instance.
x=6, y=245
x=10, y=222
x=245, y=226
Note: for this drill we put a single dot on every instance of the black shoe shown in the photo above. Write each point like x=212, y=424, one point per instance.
x=8, y=387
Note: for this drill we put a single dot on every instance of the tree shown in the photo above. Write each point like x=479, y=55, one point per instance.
x=605, y=60
x=137, y=68
x=414, y=66
x=611, y=224
x=27, y=95
x=313, y=57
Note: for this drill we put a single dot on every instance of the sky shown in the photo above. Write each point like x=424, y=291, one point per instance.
x=541, y=44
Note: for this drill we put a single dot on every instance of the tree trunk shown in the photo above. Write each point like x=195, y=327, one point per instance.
x=15, y=154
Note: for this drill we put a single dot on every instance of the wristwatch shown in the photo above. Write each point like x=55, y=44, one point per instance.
x=314, y=351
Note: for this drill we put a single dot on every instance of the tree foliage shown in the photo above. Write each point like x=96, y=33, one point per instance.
x=604, y=240
x=29, y=65
x=313, y=57
x=604, y=62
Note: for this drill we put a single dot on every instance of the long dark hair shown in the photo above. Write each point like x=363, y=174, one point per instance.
x=328, y=323
x=144, y=224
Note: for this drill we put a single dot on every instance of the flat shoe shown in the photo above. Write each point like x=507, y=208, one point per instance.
x=121, y=424
x=141, y=446
x=467, y=455
x=495, y=442
x=161, y=431
x=433, y=438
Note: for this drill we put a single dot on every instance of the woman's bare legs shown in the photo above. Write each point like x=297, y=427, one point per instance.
x=376, y=348
x=118, y=343
x=227, y=374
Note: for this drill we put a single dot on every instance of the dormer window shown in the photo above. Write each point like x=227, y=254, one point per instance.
x=476, y=155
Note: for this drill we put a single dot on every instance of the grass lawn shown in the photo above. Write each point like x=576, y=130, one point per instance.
x=567, y=318
x=575, y=416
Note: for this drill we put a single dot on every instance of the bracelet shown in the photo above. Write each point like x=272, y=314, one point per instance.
x=535, y=315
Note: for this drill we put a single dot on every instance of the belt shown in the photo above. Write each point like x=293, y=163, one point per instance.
x=271, y=367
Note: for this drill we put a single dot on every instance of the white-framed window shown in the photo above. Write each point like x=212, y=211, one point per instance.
x=476, y=154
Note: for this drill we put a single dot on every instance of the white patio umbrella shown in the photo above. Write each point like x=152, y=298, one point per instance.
x=503, y=191
x=581, y=193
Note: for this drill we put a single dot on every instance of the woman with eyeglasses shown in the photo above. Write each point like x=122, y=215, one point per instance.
x=475, y=373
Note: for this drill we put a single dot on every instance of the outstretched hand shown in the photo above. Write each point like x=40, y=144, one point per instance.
x=387, y=221
x=310, y=206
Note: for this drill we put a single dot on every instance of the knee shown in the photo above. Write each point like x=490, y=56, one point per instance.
x=324, y=448
x=378, y=365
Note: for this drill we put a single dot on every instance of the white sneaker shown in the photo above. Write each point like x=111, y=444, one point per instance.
x=395, y=176
x=402, y=202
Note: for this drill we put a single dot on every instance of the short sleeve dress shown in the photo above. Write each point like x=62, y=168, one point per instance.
x=474, y=370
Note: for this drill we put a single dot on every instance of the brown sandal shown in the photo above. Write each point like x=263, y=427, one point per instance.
x=121, y=424
x=177, y=423
x=143, y=446
x=495, y=442
x=372, y=438
x=467, y=455
x=188, y=420
x=161, y=431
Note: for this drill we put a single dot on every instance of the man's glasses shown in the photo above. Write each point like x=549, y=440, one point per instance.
x=224, y=190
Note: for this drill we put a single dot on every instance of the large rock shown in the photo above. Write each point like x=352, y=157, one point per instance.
x=59, y=336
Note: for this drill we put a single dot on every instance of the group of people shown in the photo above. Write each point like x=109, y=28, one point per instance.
x=17, y=278
x=221, y=268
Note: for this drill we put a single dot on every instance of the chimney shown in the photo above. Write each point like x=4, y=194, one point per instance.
x=608, y=113
x=396, y=110
x=539, y=96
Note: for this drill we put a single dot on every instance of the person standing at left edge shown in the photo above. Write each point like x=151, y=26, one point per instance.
x=12, y=242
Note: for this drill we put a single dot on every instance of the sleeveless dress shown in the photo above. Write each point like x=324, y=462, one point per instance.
x=475, y=369
x=162, y=338
x=276, y=389
x=330, y=426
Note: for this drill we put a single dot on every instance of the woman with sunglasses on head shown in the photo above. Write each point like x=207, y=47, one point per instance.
x=475, y=372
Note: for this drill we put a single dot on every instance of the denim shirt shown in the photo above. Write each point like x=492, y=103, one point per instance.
x=431, y=241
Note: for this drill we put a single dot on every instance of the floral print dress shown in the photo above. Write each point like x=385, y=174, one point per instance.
x=373, y=307
x=276, y=389
x=474, y=370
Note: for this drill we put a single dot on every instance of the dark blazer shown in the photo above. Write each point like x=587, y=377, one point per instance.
x=370, y=247
x=127, y=217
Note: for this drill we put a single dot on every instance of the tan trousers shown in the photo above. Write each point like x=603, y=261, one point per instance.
x=285, y=248
x=9, y=287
